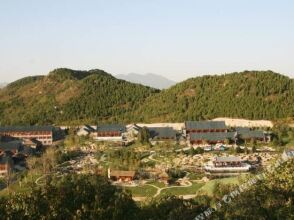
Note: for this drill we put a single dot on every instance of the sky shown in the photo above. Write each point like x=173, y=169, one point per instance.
x=176, y=39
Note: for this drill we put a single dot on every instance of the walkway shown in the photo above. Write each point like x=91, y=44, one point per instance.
x=169, y=187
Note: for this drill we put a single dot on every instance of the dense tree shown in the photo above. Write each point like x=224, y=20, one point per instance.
x=250, y=94
x=71, y=97
x=74, y=97
x=172, y=208
x=125, y=159
x=273, y=196
x=144, y=136
x=72, y=197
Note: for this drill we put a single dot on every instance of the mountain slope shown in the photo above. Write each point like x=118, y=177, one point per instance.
x=150, y=79
x=250, y=94
x=70, y=97
x=74, y=97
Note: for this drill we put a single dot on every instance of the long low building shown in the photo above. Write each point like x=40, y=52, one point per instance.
x=121, y=175
x=44, y=134
x=205, y=126
x=109, y=132
x=200, y=132
x=226, y=166
x=13, y=146
x=211, y=138
x=212, y=132
x=247, y=134
x=16, y=148
x=162, y=133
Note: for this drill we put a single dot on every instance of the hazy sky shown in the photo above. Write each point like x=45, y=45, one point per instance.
x=177, y=39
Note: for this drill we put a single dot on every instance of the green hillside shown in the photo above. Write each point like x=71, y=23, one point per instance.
x=249, y=94
x=67, y=96
x=71, y=97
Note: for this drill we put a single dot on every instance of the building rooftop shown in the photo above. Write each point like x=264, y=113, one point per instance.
x=136, y=127
x=118, y=173
x=89, y=128
x=162, y=132
x=227, y=159
x=242, y=129
x=10, y=146
x=30, y=141
x=247, y=133
x=26, y=128
x=205, y=125
x=111, y=128
x=215, y=136
x=5, y=159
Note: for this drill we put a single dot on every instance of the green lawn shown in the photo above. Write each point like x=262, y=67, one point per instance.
x=156, y=183
x=208, y=188
x=20, y=186
x=15, y=188
x=142, y=191
x=182, y=190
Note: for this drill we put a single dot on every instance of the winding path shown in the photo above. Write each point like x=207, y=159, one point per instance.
x=168, y=187
x=151, y=158
x=37, y=182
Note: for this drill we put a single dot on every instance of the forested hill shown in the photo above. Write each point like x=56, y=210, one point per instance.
x=66, y=96
x=249, y=94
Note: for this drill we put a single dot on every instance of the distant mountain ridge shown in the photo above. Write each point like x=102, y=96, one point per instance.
x=149, y=79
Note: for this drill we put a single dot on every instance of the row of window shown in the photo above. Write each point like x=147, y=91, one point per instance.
x=26, y=133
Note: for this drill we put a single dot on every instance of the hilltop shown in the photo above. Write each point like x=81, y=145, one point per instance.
x=70, y=97
x=248, y=94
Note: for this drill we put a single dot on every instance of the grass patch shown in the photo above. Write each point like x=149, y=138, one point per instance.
x=142, y=191
x=156, y=183
x=15, y=188
x=209, y=187
x=182, y=190
x=21, y=185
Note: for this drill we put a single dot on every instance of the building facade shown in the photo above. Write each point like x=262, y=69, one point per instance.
x=226, y=166
x=210, y=132
x=213, y=132
x=44, y=134
x=120, y=175
x=205, y=126
x=247, y=134
x=211, y=138
x=6, y=164
x=162, y=133
x=109, y=133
